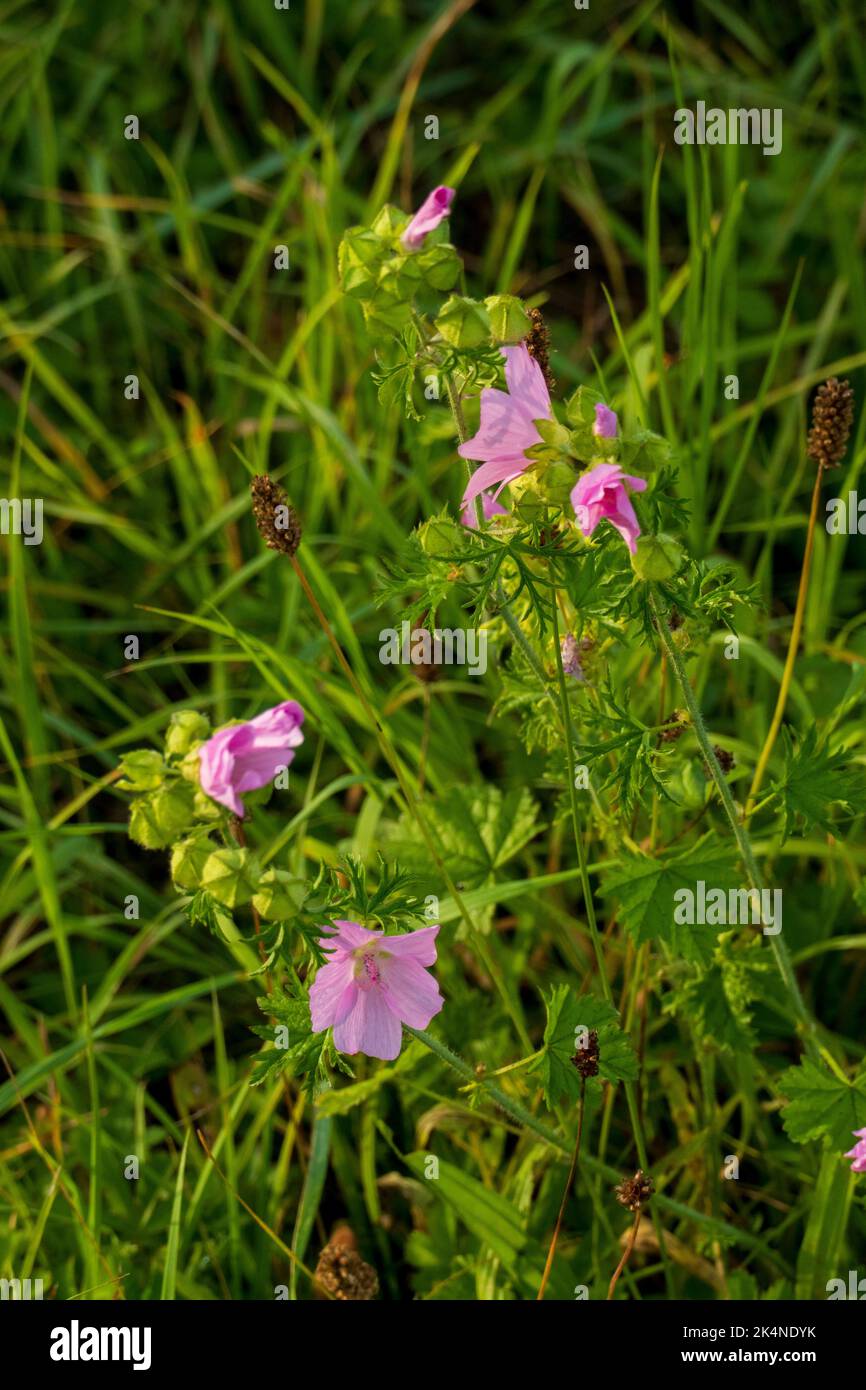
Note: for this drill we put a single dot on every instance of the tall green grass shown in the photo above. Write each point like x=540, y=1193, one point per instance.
x=154, y=257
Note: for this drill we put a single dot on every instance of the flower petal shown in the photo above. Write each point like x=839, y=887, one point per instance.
x=498, y=472
x=418, y=945
x=348, y=936
x=505, y=431
x=332, y=993
x=489, y=507
x=605, y=424
x=526, y=381
x=411, y=992
x=431, y=212
x=369, y=1027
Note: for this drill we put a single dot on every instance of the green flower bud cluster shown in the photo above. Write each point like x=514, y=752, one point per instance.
x=640, y=451
x=469, y=323
x=565, y=451
x=391, y=281
x=167, y=799
x=170, y=810
x=387, y=278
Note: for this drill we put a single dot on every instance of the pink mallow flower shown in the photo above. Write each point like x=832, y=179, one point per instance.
x=371, y=985
x=507, y=426
x=243, y=757
x=858, y=1153
x=431, y=212
x=489, y=506
x=605, y=424
x=602, y=493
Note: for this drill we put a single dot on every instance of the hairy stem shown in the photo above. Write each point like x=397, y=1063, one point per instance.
x=780, y=951
x=628, y=1086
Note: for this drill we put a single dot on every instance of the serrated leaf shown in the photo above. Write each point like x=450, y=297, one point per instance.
x=566, y=1014
x=478, y=830
x=815, y=780
x=645, y=886
x=292, y=1025
x=821, y=1104
x=715, y=1003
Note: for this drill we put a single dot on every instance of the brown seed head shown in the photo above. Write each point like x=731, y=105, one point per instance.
x=832, y=415
x=344, y=1274
x=538, y=345
x=586, y=1058
x=676, y=726
x=278, y=522
x=633, y=1192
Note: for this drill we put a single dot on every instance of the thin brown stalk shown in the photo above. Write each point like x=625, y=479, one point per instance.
x=571, y=1172
x=793, y=645
x=625, y=1254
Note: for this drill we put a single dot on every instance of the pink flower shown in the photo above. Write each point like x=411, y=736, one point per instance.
x=489, y=506
x=571, y=651
x=606, y=424
x=507, y=429
x=371, y=985
x=601, y=493
x=244, y=757
x=431, y=212
x=858, y=1153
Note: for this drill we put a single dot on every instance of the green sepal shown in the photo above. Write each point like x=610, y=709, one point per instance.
x=143, y=770
x=464, y=322
x=228, y=876
x=185, y=728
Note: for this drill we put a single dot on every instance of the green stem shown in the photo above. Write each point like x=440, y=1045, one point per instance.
x=778, y=947
x=628, y=1086
x=532, y=657
x=575, y=817
x=526, y=646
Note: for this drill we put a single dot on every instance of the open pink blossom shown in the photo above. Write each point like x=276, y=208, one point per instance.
x=858, y=1153
x=507, y=426
x=489, y=506
x=602, y=493
x=431, y=212
x=243, y=757
x=606, y=424
x=371, y=985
